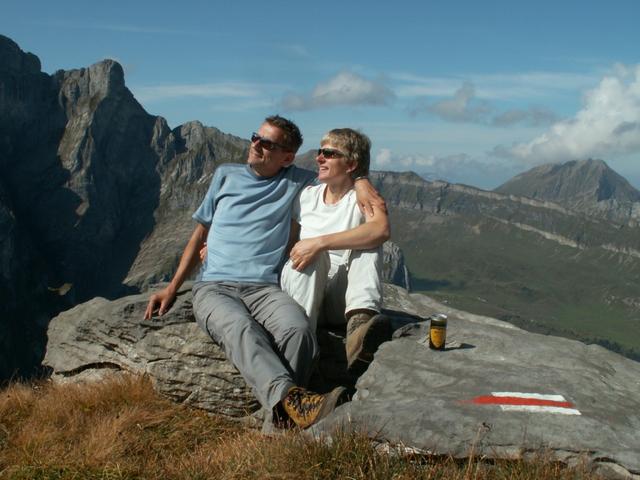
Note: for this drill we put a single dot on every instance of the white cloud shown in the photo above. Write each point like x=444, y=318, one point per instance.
x=127, y=28
x=345, y=88
x=203, y=90
x=383, y=158
x=242, y=105
x=465, y=107
x=456, y=168
x=606, y=125
x=507, y=86
x=532, y=116
x=294, y=50
x=462, y=107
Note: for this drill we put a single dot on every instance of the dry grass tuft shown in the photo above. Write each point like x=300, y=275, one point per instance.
x=122, y=429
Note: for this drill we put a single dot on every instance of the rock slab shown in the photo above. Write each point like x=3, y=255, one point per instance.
x=182, y=361
x=581, y=401
x=485, y=394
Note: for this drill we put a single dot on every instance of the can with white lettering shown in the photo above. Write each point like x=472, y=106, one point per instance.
x=438, y=331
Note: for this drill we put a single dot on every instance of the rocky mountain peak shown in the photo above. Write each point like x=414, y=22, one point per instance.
x=81, y=90
x=584, y=185
x=14, y=60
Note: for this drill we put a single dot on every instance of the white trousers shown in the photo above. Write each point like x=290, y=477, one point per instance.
x=328, y=292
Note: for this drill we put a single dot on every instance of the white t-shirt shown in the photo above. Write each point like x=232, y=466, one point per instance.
x=318, y=218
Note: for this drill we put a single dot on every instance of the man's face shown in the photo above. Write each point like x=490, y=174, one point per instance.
x=268, y=162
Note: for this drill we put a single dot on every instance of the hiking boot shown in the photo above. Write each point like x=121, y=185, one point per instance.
x=365, y=333
x=306, y=408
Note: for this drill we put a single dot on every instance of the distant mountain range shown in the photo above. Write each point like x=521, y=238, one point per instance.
x=96, y=197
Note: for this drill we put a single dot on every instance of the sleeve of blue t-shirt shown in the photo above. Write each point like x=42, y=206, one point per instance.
x=204, y=213
x=305, y=179
x=295, y=210
x=308, y=177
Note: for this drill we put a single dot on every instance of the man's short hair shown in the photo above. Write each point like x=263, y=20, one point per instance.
x=356, y=145
x=292, y=135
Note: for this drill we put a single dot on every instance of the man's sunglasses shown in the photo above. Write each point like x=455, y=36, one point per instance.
x=330, y=153
x=266, y=143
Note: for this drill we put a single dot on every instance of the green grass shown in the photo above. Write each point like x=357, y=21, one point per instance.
x=489, y=268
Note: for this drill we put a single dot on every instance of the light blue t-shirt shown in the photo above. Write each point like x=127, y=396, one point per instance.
x=249, y=218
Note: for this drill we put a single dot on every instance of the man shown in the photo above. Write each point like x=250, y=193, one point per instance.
x=245, y=221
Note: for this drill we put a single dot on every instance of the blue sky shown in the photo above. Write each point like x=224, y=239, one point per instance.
x=470, y=92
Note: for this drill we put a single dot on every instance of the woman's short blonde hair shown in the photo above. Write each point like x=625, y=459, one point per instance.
x=356, y=145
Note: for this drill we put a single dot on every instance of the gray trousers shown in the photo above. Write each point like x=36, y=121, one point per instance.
x=263, y=331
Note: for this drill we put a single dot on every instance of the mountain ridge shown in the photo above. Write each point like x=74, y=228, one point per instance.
x=589, y=186
x=98, y=194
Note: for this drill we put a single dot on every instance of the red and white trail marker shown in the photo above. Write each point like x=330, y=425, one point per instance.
x=527, y=402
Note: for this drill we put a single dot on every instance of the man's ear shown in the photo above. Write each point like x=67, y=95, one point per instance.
x=352, y=166
x=288, y=159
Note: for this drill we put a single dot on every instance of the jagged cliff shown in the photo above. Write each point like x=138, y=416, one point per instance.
x=95, y=194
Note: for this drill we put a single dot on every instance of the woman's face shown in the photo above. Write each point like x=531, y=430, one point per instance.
x=333, y=165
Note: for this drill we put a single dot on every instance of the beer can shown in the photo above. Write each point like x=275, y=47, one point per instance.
x=438, y=331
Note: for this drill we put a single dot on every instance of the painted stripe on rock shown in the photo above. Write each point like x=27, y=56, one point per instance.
x=528, y=402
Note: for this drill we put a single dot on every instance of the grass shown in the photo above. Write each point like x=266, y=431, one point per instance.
x=588, y=294
x=122, y=429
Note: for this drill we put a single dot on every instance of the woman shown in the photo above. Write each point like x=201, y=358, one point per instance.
x=337, y=262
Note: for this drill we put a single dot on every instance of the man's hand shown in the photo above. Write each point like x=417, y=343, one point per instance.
x=368, y=197
x=203, y=253
x=164, y=299
x=304, y=252
x=189, y=260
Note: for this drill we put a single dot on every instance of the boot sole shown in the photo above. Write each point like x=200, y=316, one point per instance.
x=330, y=401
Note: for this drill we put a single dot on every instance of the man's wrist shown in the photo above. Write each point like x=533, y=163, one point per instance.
x=361, y=177
x=172, y=288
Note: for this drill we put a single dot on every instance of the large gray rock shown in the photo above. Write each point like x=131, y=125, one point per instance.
x=183, y=362
x=439, y=402
x=444, y=402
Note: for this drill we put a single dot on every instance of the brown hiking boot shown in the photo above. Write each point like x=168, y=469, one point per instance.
x=306, y=408
x=365, y=333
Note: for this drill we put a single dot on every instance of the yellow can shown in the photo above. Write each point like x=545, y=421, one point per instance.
x=438, y=331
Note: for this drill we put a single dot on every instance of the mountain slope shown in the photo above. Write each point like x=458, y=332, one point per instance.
x=589, y=186
x=533, y=263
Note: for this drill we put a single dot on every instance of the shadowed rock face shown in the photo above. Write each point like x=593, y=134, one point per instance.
x=439, y=402
x=96, y=194
x=394, y=268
